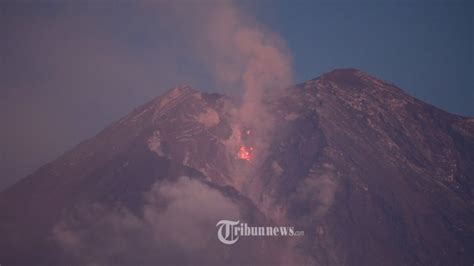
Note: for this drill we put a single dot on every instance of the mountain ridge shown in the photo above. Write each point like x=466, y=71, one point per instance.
x=354, y=161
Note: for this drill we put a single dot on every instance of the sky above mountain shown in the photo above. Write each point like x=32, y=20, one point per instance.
x=71, y=68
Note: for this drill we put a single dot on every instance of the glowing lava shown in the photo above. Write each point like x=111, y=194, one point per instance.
x=245, y=153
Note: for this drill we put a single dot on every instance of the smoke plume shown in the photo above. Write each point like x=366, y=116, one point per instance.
x=176, y=224
x=251, y=58
x=240, y=53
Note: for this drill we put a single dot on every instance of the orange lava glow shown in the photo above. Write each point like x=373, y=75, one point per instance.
x=245, y=153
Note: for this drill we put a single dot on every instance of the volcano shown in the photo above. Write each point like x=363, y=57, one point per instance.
x=371, y=175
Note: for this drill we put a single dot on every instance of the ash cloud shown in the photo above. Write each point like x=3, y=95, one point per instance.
x=244, y=56
x=241, y=55
x=251, y=58
x=61, y=57
x=247, y=56
x=314, y=196
x=176, y=225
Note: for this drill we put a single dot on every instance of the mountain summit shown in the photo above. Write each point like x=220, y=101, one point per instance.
x=371, y=175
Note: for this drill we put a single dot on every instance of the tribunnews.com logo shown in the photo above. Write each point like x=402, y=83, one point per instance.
x=228, y=232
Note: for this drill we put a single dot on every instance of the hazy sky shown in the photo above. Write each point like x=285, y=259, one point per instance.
x=69, y=68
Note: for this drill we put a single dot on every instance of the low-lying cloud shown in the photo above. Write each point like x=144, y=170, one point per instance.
x=176, y=225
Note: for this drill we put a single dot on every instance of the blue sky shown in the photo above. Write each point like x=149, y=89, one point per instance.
x=424, y=47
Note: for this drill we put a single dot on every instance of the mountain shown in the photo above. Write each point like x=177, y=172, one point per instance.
x=371, y=175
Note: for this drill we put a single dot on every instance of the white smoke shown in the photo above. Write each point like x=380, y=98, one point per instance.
x=251, y=58
x=240, y=53
x=176, y=224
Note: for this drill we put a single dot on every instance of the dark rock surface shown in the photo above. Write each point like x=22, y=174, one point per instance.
x=372, y=175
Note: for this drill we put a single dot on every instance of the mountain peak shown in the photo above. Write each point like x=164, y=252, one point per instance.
x=175, y=93
x=344, y=71
x=353, y=78
x=348, y=151
x=181, y=89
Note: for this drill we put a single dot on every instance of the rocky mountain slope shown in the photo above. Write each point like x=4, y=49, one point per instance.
x=371, y=175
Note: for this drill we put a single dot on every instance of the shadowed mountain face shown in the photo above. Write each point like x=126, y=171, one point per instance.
x=371, y=175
